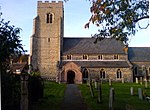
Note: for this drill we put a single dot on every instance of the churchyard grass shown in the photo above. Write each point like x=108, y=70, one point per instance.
x=122, y=97
x=53, y=96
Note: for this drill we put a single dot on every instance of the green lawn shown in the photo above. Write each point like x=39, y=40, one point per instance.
x=53, y=96
x=54, y=93
x=122, y=97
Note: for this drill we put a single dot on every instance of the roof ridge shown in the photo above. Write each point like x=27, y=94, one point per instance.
x=77, y=37
x=139, y=47
x=83, y=38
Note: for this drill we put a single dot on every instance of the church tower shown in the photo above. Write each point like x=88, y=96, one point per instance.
x=47, y=38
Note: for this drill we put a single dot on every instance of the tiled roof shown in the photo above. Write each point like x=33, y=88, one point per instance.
x=99, y=64
x=17, y=66
x=87, y=46
x=139, y=54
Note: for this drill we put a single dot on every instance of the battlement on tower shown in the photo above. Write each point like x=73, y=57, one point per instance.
x=49, y=4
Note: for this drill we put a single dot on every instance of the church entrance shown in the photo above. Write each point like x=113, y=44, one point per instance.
x=70, y=77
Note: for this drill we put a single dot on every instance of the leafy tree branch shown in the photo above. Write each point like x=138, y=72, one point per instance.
x=144, y=17
x=10, y=43
x=118, y=18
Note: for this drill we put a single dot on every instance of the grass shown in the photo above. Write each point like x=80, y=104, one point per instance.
x=53, y=96
x=122, y=97
x=54, y=93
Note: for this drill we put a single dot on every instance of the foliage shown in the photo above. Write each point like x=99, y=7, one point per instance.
x=122, y=96
x=10, y=93
x=36, y=86
x=53, y=96
x=118, y=18
x=9, y=45
x=9, y=41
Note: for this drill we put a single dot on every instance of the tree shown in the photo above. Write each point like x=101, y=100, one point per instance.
x=10, y=43
x=118, y=18
x=10, y=84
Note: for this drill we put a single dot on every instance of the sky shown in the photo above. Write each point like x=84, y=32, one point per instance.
x=21, y=13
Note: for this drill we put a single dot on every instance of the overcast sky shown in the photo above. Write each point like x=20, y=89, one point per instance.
x=76, y=13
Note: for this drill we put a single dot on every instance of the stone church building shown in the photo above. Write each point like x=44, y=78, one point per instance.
x=74, y=60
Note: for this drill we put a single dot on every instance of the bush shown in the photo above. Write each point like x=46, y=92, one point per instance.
x=35, y=87
x=10, y=91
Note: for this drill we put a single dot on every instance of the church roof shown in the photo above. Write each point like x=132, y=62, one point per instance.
x=139, y=54
x=22, y=67
x=87, y=46
x=100, y=64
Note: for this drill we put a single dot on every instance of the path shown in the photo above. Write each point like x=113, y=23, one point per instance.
x=72, y=99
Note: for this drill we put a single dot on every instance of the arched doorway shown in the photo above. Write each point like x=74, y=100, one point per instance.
x=70, y=77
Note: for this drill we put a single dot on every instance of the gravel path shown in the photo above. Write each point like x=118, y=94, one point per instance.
x=72, y=99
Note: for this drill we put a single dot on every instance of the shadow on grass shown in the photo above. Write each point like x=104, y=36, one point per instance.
x=53, y=96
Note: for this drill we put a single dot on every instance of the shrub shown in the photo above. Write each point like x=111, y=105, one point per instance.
x=10, y=92
x=35, y=87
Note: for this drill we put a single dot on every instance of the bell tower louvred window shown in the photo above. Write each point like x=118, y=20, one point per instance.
x=49, y=18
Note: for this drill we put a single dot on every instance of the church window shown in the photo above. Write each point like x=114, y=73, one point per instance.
x=143, y=68
x=85, y=57
x=69, y=57
x=49, y=18
x=100, y=57
x=119, y=73
x=48, y=40
x=135, y=71
x=102, y=73
x=84, y=75
x=116, y=56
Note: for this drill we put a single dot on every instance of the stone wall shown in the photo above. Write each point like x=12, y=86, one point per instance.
x=139, y=66
x=47, y=38
x=111, y=73
x=94, y=73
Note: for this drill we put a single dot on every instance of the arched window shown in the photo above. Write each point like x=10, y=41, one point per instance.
x=119, y=74
x=144, y=69
x=135, y=71
x=102, y=73
x=149, y=71
x=49, y=18
x=85, y=75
